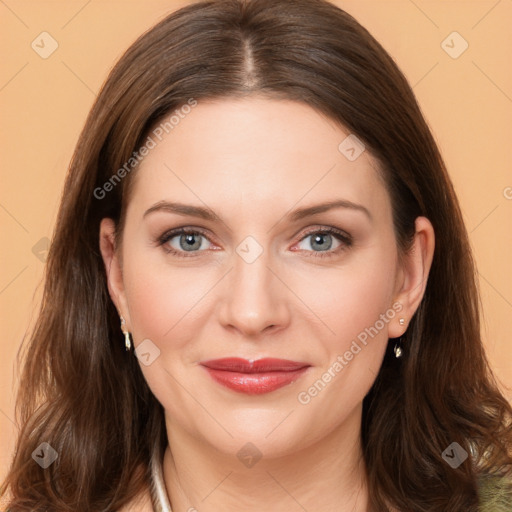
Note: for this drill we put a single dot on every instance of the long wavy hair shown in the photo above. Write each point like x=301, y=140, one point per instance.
x=84, y=395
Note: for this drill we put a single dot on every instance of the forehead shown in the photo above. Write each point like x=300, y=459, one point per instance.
x=256, y=152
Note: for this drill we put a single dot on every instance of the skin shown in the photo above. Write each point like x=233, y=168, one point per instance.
x=252, y=161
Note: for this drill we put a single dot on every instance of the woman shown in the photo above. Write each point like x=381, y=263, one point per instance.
x=260, y=292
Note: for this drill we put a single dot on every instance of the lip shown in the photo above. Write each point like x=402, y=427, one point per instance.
x=254, y=377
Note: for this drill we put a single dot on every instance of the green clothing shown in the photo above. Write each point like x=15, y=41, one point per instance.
x=495, y=494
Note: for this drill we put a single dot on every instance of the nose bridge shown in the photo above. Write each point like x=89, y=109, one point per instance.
x=255, y=298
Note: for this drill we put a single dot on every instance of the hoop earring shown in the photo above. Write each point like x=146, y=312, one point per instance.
x=127, y=341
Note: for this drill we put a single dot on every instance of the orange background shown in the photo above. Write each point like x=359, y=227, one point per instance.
x=44, y=102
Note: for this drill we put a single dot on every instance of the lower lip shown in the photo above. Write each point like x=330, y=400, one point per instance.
x=255, y=383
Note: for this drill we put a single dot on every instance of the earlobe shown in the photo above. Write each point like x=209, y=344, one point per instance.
x=112, y=264
x=416, y=268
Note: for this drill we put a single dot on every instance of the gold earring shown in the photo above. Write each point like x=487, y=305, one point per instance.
x=398, y=348
x=398, y=345
x=127, y=341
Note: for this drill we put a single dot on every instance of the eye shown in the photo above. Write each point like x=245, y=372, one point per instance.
x=187, y=241
x=321, y=242
x=181, y=241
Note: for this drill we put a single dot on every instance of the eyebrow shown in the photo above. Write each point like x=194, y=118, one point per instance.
x=329, y=205
x=208, y=214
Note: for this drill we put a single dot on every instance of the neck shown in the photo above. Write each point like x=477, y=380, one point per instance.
x=327, y=475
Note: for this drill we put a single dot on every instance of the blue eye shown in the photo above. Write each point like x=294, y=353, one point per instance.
x=322, y=240
x=190, y=242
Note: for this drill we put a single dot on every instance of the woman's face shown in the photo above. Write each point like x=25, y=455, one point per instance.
x=260, y=277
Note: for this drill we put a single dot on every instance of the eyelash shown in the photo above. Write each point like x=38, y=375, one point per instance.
x=343, y=237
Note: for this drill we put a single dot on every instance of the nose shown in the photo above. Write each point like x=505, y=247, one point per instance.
x=254, y=298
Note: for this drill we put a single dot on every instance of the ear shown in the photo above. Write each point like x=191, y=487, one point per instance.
x=113, y=268
x=413, y=275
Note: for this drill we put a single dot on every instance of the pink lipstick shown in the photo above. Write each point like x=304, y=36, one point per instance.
x=254, y=377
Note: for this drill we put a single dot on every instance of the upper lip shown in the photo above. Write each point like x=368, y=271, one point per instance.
x=237, y=364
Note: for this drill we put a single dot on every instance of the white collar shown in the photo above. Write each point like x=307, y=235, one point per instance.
x=159, y=497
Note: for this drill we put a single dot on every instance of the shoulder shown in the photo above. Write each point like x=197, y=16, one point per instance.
x=495, y=493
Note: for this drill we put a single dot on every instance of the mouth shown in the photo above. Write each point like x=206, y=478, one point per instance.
x=254, y=377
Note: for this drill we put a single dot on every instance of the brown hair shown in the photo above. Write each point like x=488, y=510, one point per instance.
x=88, y=399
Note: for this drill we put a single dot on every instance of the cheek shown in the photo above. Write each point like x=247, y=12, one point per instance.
x=163, y=294
x=357, y=308
x=164, y=305
x=355, y=303
x=162, y=300
x=352, y=298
